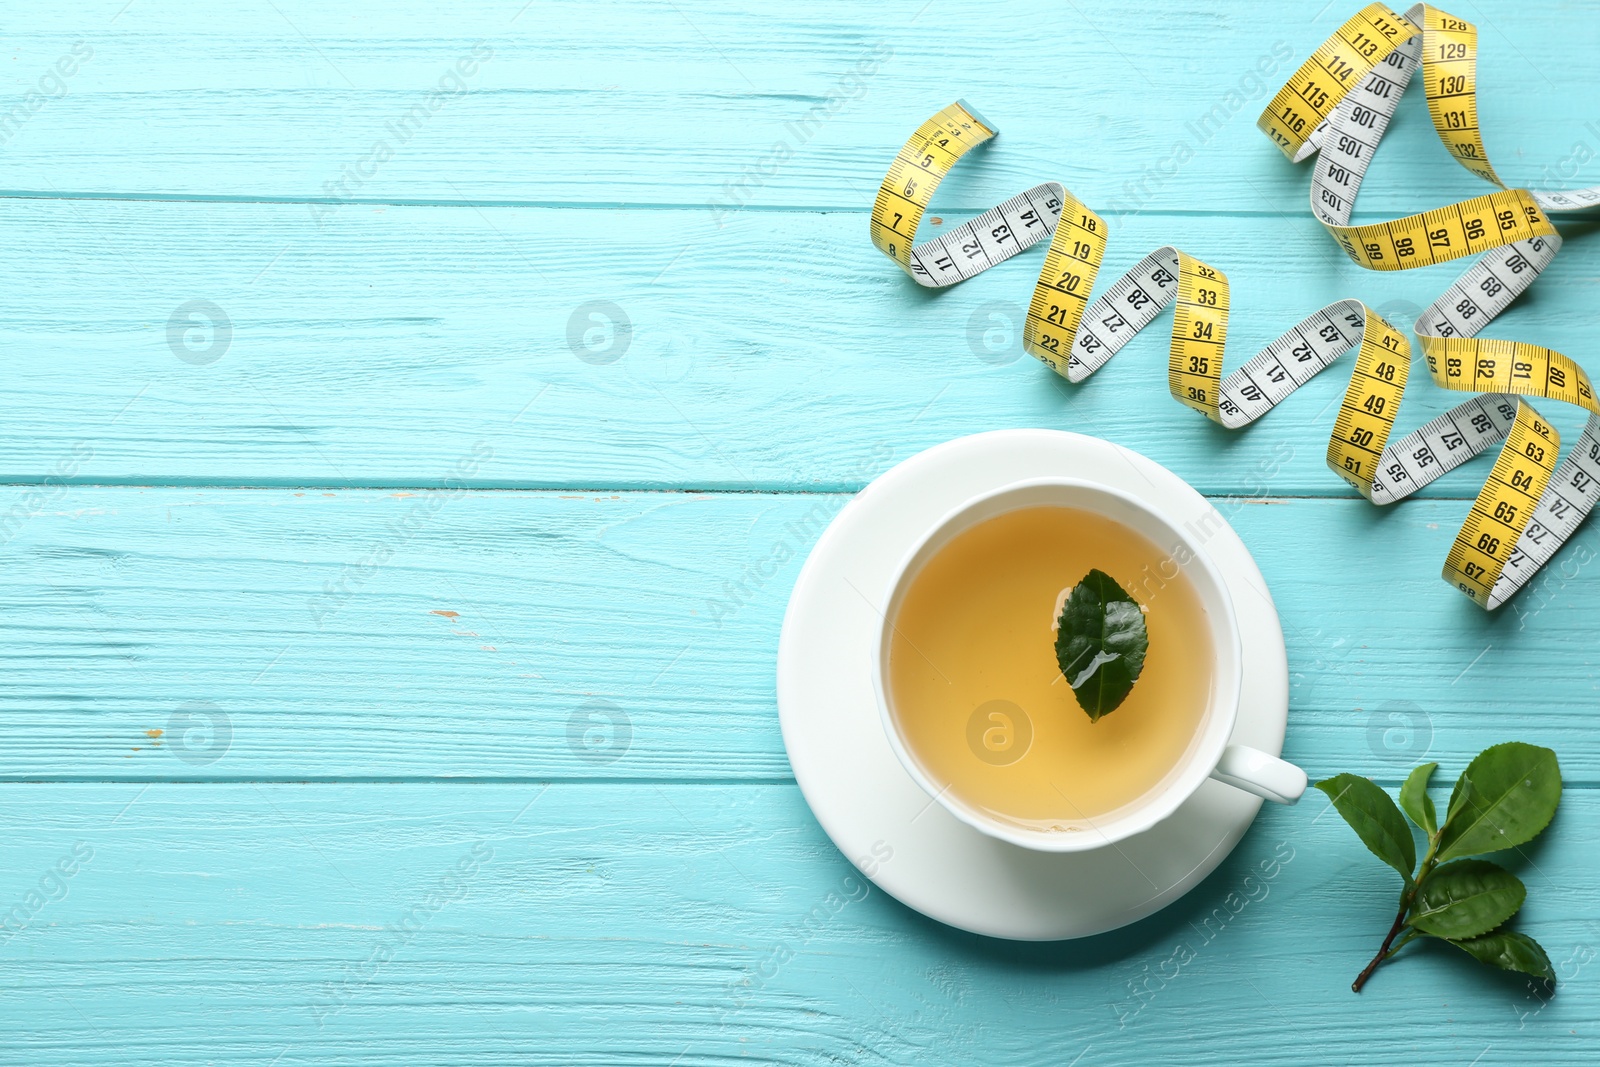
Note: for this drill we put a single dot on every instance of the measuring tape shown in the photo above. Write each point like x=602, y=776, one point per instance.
x=1337, y=106
x=1075, y=338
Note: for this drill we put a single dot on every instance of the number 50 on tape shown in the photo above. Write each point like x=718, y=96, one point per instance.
x=1075, y=337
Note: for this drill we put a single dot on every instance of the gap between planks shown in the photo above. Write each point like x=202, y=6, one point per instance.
x=358, y=485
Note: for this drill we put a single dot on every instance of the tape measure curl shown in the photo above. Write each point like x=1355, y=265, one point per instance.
x=1337, y=106
x=1075, y=338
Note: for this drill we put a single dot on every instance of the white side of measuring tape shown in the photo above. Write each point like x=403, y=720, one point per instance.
x=1345, y=144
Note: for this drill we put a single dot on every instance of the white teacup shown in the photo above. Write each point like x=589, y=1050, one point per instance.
x=1209, y=755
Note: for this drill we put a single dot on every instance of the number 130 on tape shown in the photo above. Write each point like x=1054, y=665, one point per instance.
x=1076, y=336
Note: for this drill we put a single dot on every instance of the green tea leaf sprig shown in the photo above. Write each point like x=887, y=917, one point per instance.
x=1101, y=643
x=1504, y=798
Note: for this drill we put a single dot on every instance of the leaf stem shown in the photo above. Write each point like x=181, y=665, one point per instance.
x=1383, y=950
x=1408, y=897
x=1410, y=936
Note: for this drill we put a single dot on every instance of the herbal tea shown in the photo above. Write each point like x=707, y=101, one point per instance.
x=976, y=691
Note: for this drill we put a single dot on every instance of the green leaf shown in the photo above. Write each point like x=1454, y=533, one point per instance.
x=1466, y=899
x=1510, y=952
x=1415, y=801
x=1459, y=795
x=1375, y=819
x=1507, y=795
x=1101, y=643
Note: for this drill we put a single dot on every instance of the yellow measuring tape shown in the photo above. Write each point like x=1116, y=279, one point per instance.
x=1337, y=106
x=1519, y=518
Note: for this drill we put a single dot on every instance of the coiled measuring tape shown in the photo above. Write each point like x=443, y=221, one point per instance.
x=1075, y=338
x=1337, y=106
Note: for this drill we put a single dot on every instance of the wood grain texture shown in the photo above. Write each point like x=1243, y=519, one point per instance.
x=318, y=625
x=637, y=923
x=673, y=104
x=398, y=684
x=782, y=351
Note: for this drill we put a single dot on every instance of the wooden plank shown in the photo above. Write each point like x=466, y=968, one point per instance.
x=635, y=923
x=1148, y=111
x=391, y=347
x=278, y=634
x=266, y=727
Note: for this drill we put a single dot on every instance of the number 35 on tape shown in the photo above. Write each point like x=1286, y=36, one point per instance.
x=1520, y=516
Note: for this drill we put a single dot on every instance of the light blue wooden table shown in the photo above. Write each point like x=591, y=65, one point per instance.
x=389, y=643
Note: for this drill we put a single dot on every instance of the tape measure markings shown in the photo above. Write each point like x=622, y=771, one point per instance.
x=1354, y=49
x=1076, y=337
x=1515, y=234
x=1337, y=105
x=1355, y=122
x=992, y=237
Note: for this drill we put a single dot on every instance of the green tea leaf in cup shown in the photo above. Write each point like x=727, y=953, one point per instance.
x=1101, y=643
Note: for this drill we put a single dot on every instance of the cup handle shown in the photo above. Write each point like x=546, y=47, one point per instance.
x=1256, y=772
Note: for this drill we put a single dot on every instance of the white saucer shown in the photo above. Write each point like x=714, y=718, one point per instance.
x=913, y=848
